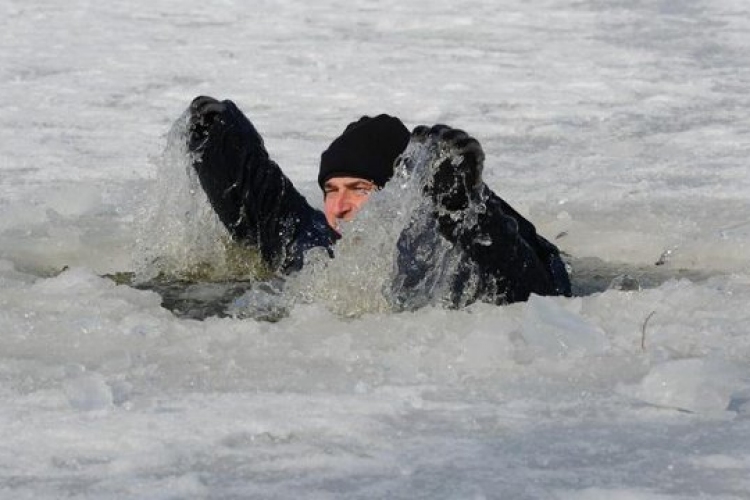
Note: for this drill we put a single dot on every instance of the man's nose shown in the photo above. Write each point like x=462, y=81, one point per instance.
x=343, y=204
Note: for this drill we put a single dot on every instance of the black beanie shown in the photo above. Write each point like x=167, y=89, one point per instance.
x=367, y=149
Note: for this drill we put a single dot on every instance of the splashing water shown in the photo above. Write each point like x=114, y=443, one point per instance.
x=180, y=236
x=356, y=280
x=365, y=276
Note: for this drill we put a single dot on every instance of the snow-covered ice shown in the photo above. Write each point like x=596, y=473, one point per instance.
x=622, y=129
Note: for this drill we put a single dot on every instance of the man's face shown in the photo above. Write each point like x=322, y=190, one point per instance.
x=343, y=197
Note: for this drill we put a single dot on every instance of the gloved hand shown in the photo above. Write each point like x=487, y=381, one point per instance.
x=204, y=111
x=455, y=177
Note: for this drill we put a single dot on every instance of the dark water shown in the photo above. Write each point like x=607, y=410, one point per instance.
x=264, y=300
x=592, y=275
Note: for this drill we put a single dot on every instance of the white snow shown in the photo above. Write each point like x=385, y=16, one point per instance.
x=621, y=129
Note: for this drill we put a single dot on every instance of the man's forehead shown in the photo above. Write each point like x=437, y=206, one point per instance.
x=347, y=181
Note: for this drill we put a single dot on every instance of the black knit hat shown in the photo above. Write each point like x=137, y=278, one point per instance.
x=366, y=149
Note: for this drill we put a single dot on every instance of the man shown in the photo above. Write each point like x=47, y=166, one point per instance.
x=470, y=245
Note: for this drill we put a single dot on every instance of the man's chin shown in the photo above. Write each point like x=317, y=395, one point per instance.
x=336, y=228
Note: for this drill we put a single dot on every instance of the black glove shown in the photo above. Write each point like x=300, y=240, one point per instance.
x=204, y=111
x=455, y=178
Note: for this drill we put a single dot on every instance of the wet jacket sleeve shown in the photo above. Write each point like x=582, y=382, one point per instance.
x=251, y=195
x=506, y=246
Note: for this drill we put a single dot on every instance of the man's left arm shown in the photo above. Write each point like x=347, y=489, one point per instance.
x=503, y=244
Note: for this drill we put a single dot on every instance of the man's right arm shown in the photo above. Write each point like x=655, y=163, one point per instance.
x=251, y=195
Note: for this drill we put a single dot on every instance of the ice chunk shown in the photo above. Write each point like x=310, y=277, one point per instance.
x=697, y=385
x=552, y=330
x=88, y=391
x=264, y=301
x=625, y=283
x=76, y=279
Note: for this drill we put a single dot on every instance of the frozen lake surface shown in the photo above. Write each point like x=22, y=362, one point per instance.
x=621, y=129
